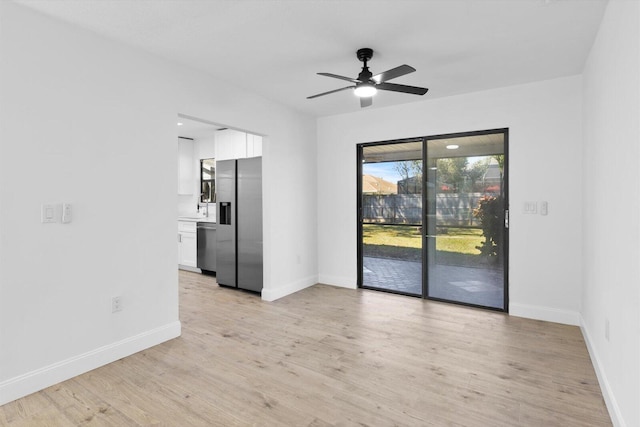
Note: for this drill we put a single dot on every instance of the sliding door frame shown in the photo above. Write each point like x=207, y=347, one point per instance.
x=359, y=216
x=425, y=219
x=505, y=273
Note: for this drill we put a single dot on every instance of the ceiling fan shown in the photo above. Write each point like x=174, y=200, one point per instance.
x=366, y=84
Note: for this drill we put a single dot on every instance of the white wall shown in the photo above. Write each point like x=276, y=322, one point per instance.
x=544, y=120
x=611, y=185
x=88, y=121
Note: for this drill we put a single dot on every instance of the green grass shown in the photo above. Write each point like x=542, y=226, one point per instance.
x=392, y=241
x=392, y=235
x=454, y=246
x=459, y=240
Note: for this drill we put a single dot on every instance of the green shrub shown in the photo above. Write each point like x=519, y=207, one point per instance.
x=491, y=216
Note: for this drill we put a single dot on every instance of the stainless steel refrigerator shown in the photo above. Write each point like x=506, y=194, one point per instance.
x=239, y=233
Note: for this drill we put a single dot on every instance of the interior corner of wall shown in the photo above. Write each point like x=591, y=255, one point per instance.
x=547, y=314
x=342, y=282
x=270, y=294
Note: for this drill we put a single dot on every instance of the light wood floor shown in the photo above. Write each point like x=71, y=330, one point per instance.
x=330, y=356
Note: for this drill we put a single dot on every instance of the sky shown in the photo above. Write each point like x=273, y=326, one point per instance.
x=385, y=170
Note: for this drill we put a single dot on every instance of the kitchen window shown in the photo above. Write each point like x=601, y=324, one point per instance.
x=207, y=181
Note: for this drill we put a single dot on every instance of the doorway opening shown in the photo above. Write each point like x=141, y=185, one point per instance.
x=433, y=217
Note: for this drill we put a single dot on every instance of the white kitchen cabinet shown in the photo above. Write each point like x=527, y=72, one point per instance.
x=239, y=145
x=254, y=145
x=186, y=173
x=223, y=146
x=187, y=244
x=231, y=144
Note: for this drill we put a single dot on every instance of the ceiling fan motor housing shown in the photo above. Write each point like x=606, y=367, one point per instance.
x=364, y=54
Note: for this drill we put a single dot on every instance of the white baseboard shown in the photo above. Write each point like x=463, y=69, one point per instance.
x=612, y=405
x=343, y=282
x=31, y=382
x=288, y=289
x=547, y=314
x=188, y=268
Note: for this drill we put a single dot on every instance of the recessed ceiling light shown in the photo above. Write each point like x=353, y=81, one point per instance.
x=452, y=147
x=180, y=124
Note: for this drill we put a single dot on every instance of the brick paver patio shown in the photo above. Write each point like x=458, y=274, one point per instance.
x=479, y=286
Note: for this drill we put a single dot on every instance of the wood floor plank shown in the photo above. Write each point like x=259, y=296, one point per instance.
x=328, y=356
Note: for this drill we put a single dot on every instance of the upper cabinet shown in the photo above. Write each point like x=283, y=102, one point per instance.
x=233, y=144
x=254, y=145
x=186, y=170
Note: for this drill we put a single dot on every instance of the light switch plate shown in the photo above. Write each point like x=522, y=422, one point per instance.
x=530, y=207
x=48, y=214
x=544, y=208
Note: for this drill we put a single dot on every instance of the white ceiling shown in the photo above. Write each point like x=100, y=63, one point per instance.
x=275, y=47
x=195, y=129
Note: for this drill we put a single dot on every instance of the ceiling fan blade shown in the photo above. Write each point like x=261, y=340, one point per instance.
x=393, y=73
x=331, y=91
x=402, y=88
x=366, y=102
x=335, y=76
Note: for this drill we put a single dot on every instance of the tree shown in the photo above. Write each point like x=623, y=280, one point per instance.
x=452, y=171
x=477, y=171
x=500, y=159
x=403, y=168
x=411, y=173
x=409, y=168
x=416, y=168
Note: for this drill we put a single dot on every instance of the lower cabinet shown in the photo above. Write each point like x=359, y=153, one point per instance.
x=187, y=244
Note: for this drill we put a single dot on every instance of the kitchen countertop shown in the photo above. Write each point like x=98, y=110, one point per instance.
x=197, y=219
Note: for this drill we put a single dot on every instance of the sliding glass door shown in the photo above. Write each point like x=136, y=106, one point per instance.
x=466, y=204
x=391, y=217
x=433, y=218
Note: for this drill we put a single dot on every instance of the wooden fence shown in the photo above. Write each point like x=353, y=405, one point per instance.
x=451, y=209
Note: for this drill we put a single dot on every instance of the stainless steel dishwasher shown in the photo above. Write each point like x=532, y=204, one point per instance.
x=207, y=246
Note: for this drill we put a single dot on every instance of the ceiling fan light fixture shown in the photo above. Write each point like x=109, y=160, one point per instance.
x=365, y=90
x=366, y=85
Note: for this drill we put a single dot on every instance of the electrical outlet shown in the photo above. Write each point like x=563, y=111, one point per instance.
x=116, y=304
x=66, y=213
x=544, y=208
x=606, y=329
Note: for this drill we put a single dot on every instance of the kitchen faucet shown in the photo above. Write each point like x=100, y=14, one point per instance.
x=206, y=204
